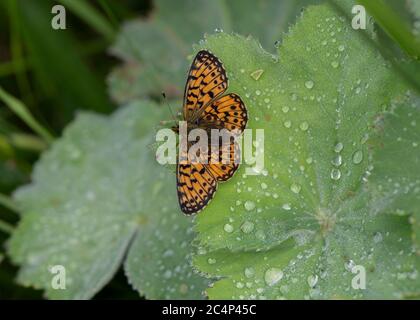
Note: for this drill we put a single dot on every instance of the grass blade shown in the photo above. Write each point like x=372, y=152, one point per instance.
x=23, y=113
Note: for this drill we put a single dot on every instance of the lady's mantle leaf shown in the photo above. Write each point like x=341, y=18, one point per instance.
x=396, y=167
x=96, y=195
x=306, y=226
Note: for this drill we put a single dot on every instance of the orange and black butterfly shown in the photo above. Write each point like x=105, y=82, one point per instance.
x=207, y=107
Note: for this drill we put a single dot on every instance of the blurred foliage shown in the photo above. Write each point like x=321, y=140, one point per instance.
x=161, y=64
x=49, y=75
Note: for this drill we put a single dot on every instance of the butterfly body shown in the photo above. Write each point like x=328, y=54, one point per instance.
x=207, y=107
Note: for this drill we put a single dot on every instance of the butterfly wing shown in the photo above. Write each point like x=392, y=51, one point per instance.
x=206, y=80
x=196, y=187
x=227, y=112
x=223, y=164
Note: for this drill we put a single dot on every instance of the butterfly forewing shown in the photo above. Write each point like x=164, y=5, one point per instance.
x=206, y=80
x=196, y=187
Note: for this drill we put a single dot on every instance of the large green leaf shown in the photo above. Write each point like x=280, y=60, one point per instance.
x=97, y=196
x=298, y=229
x=155, y=49
x=396, y=175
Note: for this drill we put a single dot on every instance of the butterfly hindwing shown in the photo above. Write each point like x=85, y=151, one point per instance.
x=228, y=112
x=223, y=163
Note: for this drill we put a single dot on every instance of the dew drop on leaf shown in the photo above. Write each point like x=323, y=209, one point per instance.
x=309, y=84
x=228, y=228
x=295, y=188
x=286, y=206
x=334, y=64
x=272, y=276
x=249, y=205
x=247, y=227
x=377, y=237
x=249, y=272
x=335, y=174
x=337, y=161
x=304, y=126
x=312, y=280
x=349, y=265
x=357, y=157
x=338, y=147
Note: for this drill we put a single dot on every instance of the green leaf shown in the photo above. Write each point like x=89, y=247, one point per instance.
x=396, y=178
x=98, y=195
x=155, y=50
x=298, y=229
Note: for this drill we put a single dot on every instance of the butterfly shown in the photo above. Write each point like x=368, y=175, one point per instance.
x=205, y=106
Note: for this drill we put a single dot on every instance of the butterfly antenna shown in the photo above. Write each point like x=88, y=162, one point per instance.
x=169, y=106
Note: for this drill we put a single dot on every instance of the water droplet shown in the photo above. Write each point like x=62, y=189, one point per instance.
x=257, y=92
x=377, y=237
x=335, y=174
x=285, y=109
x=211, y=261
x=334, y=64
x=257, y=74
x=338, y=147
x=349, y=265
x=263, y=186
x=293, y=96
x=266, y=100
x=304, y=126
x=287, y=206
x=249, y=205
x=309, y=84
x=337, y=161
x=341, y=48
x=249, y=272
x=228, y=228
x=272, y=276
x=357, y=157
x=247, y=227
x=309, y=160
x=295, y=188
x=287, y=123
x=364, y=138
x=239, y=285
x=312, y=280
x=277, y=43
x=260, y=235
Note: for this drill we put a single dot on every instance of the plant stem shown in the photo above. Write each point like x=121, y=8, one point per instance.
x=91, y=16
x=393, y=24
x=6, y=227
x=22, y=112
x=8, y=203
